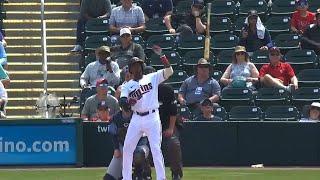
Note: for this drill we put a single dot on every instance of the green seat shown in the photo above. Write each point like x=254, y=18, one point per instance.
x=282, y=7
x=221, y=112
x=94, y=41
x=176, y=79
x=259, y=58
x=287, y=41
x=156, y=26
x=135, y=38
x=224, y=41
x=223, y=8
x=266, y=97
x=309, y=78
x=191, y=58
x=216, y=74
x=220, y=24
x=259, y=5
x=278, y=25
x=173, y=56
x=224, y=59
x=193, y=42
x=245, y=113
x=236, y=97
x=301, y=59
x=184, y=114
x=97, y=25
x=239, y=24
x=167, y=42
x=183, y=7
x=281, y=113
x=314, y=5
x=305, y=96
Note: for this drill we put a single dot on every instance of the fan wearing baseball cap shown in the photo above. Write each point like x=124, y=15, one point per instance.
x=195, y=18
x=89, y=111
x=276, y=73
x=127, y=49
x=311, y=36
x=301, y=18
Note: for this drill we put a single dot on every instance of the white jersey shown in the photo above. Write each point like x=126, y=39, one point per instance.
x=145, y=91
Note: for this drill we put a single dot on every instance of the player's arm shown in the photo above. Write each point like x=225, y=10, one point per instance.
x=168, y=71
x=124, y=100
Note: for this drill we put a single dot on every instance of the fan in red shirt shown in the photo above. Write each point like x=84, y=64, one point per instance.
x=301, y=18
x=276, y=73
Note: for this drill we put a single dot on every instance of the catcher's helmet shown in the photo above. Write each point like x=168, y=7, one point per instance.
x=135, y=60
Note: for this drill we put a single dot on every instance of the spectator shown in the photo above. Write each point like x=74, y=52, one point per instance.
x=313, y=114
x=91, y=105
x=241, y=72
x=254, y=35
x=207, y=112
x=103, y=67
x=103, y=112
x=170, y=130
x=311, y=36
x=127, y=49
x=199, y=87
x=156, y=8
x=195, y=19
x=301, y=18
x=276, y=73
x=127, y=15
x=90, y=9
x=3, y=101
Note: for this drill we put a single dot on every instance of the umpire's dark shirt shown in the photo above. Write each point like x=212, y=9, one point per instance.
x=167, y=105
x=122, y=124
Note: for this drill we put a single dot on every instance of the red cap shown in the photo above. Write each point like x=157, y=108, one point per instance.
x=102, y=83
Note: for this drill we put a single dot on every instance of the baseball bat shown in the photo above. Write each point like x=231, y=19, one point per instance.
x=206, y=54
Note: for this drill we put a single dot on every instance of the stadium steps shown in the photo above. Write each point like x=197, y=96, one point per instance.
x=23, y=35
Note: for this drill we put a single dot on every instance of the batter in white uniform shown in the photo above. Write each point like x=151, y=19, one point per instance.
x=142, y=94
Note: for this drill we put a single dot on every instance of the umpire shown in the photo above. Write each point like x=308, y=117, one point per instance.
x=170, y=130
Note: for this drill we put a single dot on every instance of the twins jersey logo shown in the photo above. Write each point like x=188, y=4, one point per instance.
x=138, y=93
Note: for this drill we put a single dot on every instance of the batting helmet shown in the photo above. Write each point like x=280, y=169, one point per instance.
x=135, y=60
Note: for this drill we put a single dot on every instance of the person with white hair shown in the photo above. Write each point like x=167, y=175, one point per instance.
x=254, y=35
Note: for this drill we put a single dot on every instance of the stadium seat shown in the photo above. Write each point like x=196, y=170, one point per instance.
x=278, y=24
x=173, y=56
x=176, y=79
x=301, y=59
x=282, y=7
x=314, y=5
x=223, y=8
x=220, y=24
x=97, y=26
x=281, y=113
x=309, y=78
x=287, y=41
x=236, y=97
x=183, y=7
x=245, y=113
x=239, y=23
x=221, y=112
x=135, y=38
x=167, y=42
x=191, y=58
x=259, y=5
x=156, y=26
x=224, y=41
x=305, y=96
x=184, y=113
x=91, y=57
x=216, y=74
x=188, y=43
x=266, y=97
x=224, y=59
x=259, y=58
x=94, y=41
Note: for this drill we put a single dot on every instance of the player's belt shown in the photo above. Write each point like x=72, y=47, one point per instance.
x=145, y=113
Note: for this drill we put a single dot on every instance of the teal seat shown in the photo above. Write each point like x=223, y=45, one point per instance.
x=266, y=97
x=301, y=59
x=223, y=8
x=167, y=42
x=97, y=25
x=173, y=56
x=245, y=113
x=236, y=97
x=282, y=7
x=192, y=42
x=281, y=113
x=260, y=58
x=287, y=41
x=224, y=41
x=221, y=112
x=156, y=26
x=278, y=25
x=309, y=78
x=94, y=41
x=224, y=59
x=220, y=24
x=259, y=5
x=176, y=79
x=305, y=96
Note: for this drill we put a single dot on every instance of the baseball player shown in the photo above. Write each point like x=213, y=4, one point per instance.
x=141, y=93
x=118, y=129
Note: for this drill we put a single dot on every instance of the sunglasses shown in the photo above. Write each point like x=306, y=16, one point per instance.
x=240, y=53
x=203, y=66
